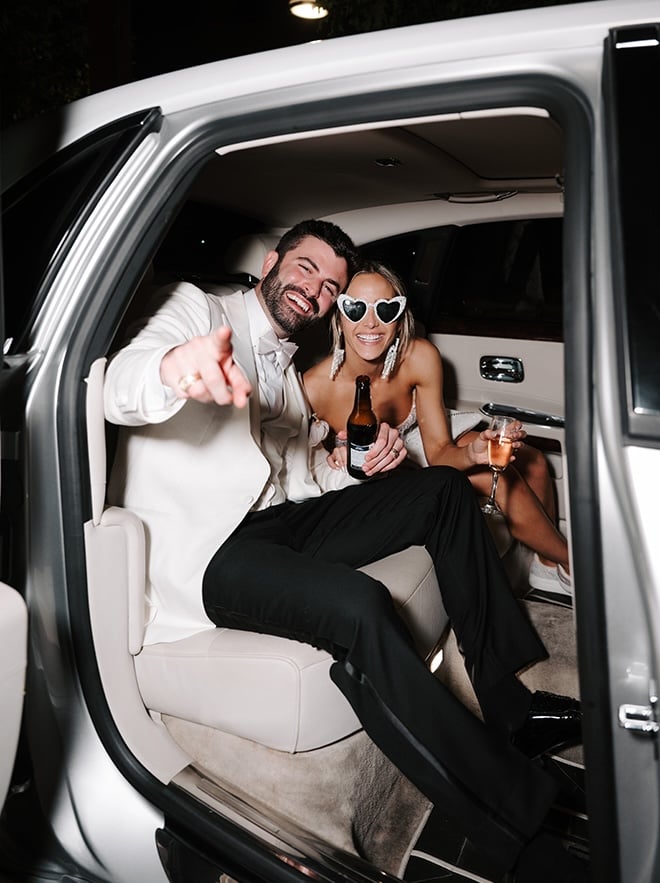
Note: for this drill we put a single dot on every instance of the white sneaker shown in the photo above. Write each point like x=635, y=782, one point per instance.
x=549, y=583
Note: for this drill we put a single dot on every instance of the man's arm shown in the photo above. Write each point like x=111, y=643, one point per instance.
x=150, y=379
x=204, y=369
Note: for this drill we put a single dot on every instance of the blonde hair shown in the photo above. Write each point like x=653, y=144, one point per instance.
x=405, y=323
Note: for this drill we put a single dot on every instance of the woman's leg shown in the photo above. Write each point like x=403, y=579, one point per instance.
x=527, y=520
x=529, y=508
x=533, y=466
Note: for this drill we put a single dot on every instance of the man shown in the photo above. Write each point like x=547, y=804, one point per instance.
x=247, y=529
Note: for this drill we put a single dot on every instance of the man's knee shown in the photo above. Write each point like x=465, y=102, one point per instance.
x=449, y=479
x=367, y=602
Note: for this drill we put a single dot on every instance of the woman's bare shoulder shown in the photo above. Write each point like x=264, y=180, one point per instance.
x=422, y=356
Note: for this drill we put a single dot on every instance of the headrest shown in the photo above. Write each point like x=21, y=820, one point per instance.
x=247, y=253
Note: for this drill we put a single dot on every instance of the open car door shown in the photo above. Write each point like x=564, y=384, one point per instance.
x=13, y=612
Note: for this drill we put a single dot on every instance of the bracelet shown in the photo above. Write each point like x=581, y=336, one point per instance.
x=341, y=442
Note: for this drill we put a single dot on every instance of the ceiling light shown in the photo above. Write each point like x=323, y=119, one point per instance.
x=307, y=9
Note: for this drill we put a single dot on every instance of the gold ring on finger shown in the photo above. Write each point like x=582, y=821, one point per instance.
x=187, y=381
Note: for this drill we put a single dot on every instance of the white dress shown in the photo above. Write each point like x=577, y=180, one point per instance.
x=459, y=421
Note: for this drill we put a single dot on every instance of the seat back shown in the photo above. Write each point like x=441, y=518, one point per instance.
x=115, y=561
x=13, y=665
x=246, y=255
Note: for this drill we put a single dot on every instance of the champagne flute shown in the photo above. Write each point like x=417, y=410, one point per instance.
x=500, y=450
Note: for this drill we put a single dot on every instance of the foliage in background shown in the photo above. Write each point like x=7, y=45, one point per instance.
x=54, y=51
x=359, y=16
x=44, y=59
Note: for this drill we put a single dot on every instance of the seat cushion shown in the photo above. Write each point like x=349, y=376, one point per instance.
x=273, y=690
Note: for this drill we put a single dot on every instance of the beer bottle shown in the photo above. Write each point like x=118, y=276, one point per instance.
x=361, y=428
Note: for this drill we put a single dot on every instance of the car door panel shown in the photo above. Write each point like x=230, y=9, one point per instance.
x=540, y=390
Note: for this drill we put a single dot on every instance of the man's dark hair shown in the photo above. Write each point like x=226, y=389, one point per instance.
x=328, y=232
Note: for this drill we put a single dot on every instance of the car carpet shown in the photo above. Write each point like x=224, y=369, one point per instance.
x=557, y=674
x=347, y=794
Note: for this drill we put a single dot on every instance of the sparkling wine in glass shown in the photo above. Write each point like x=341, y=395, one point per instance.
x=500, y=449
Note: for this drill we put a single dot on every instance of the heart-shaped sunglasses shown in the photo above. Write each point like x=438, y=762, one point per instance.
x=387, y=311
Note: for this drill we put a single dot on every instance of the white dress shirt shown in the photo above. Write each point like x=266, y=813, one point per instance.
x=272, y=356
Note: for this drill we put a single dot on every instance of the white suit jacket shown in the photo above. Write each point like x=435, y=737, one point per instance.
x=191, y=471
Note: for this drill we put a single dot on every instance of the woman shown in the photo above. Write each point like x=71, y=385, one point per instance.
x=374, y=334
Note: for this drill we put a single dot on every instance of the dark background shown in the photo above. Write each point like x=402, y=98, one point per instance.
x=54, y=51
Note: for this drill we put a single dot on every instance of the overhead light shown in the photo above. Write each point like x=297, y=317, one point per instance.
x=307, y=9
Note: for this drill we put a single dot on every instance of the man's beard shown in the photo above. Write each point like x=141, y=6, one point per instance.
x=273, y=292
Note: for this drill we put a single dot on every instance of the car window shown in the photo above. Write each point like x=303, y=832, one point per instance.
x=195, y=244
x=636, y=140
x=500, y=279
x=41, y=212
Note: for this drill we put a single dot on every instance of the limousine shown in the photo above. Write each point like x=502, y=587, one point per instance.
x=505, y=167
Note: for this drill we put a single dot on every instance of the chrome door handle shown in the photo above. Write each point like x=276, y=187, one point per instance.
x=525, y=415
x=505, y=369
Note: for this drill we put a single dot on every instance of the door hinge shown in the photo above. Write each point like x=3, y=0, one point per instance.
x=641, y=718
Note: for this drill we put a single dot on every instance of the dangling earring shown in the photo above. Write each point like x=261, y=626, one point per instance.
x=337, y=357
x=390, y=359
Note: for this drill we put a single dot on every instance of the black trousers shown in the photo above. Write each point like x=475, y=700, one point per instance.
x=290, y=570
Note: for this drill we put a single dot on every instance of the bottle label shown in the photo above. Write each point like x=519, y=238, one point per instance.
x=358, y=454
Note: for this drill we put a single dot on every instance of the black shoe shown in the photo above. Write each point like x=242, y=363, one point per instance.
x=544, y=860
x=553, y=723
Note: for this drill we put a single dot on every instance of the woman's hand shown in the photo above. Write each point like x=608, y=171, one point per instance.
x=478, y=447
x=387, y=453
x=338, y=459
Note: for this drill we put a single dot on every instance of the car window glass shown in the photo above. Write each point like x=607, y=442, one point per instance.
x=636, y=67
x=40, y=211
x=501, y=279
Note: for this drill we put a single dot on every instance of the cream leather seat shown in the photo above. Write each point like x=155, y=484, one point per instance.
x=273, y=690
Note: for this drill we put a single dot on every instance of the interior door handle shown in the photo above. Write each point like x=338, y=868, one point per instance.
x=505, y=369
x=525, y=415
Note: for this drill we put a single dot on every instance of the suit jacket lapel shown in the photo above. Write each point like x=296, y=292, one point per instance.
x=294, y=390
x=233, y=308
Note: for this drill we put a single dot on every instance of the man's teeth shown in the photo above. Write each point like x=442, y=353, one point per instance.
x=301, y=302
